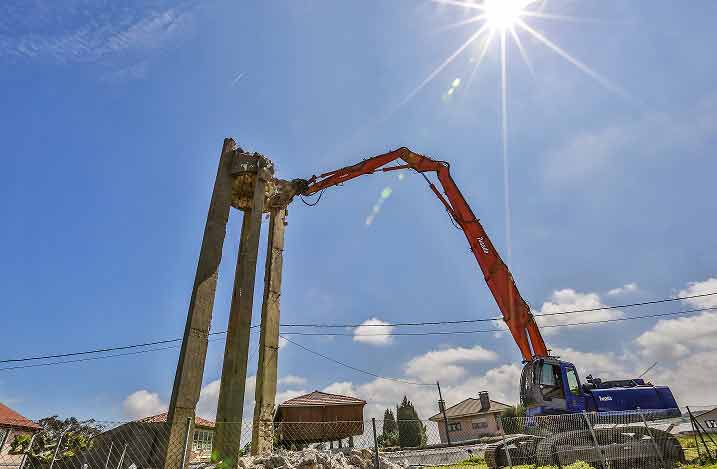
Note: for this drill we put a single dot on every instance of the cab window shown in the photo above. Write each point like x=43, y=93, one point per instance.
x=551, y=382
x=573, y=383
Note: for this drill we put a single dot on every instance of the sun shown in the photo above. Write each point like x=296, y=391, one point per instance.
x=502, y=15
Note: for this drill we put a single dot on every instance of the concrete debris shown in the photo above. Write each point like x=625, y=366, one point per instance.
x=313, y=459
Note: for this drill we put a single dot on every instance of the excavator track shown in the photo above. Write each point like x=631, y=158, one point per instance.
x=520, y=447
x=617, y=448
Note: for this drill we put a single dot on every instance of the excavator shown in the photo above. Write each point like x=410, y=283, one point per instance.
x=549, y=387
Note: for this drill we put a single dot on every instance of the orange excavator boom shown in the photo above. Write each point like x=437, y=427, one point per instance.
x=515, y=310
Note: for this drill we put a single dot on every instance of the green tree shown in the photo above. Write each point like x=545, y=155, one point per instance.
x=389, y=434
x=389, y=422
x=411, y=431
x=512, y=419
x=71, y=435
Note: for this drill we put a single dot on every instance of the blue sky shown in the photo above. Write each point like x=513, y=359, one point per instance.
x=113, y=118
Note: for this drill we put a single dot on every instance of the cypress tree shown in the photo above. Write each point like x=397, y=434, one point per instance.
x=411, y=431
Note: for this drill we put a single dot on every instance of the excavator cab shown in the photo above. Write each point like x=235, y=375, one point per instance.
x=550, y=386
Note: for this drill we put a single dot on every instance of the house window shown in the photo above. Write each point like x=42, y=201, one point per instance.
x=3, y=435
x=454, y=427
x=202, y=441
x=711, y=423
x=480, y=425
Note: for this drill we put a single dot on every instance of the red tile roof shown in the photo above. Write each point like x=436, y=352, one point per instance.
x=161, y=418
x=10, y=418
x=318, y=398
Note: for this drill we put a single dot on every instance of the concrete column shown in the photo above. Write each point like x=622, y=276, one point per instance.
x=190, y=368
x=262, y=438
x=227, y=440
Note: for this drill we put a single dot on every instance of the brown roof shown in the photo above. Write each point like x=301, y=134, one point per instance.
x=10, y=418
x=161, y=418
x=318, y=398
x=469, y=407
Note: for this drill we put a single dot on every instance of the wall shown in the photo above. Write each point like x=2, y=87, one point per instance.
x=7, y=460
x=467, y=432
x=709, y=421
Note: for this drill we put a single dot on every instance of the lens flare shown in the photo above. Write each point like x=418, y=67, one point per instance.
x=502, y=15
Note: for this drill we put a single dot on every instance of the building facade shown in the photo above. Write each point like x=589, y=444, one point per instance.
x=12, y=425
x=708, y=420
x=470, y=419
x=142, y=445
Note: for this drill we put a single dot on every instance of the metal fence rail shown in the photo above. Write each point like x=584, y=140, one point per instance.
x=605, y=441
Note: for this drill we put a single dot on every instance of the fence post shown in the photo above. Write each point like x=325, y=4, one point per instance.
x=442, y=408
x=697, y=427
x=599, y=451
x=29, y=449
x=124, y=451
x=652, y=437
x=186, y=442
x=109, y=453
x=375, y=444
x=505, y=445
x=59, y=443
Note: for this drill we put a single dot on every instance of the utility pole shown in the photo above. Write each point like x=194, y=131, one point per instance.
x=442, y=408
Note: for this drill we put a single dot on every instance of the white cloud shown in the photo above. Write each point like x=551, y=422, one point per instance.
x=292, y=380
x=344, y=388
x=289, y=394
x=142, y=404
x=209, y=397
x=88, y=34
x=676, y=338
x=366, y=332
x=690, y=381
x=568, y=299
x=445, y=364
x=701, y=288
x=600, y=365
x=627, y=288
x=590, y=153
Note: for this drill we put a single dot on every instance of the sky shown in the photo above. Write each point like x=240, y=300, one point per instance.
x=113, y=117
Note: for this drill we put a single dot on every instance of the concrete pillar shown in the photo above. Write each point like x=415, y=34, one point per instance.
x=227, y=440
x=190, y=368
x=263, y=431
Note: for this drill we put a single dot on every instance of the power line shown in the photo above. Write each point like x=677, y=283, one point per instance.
x=581, y=323
x=468, y=321
x=79, y=360
x=353, y=367
x=426, y=323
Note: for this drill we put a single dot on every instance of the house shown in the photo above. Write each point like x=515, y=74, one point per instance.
x=12, y=425
x=708, y=420
x=471, y=419
x=143, y=443
x=318, y=417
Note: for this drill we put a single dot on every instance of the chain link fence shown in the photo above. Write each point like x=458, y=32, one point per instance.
x=577, y=441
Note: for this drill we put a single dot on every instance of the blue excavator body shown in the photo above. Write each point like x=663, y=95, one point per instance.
x=550, y=386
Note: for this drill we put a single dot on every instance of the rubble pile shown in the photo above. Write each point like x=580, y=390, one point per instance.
x=315, y=459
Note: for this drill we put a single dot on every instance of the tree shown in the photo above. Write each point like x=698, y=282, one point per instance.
x=389, y=422
x=411, y=431
x=59, y=439
x=512, y=419
x=514, y=411
x=389, y=435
